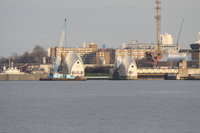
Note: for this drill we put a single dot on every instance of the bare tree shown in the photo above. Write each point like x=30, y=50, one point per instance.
x=38, y=53
x=15, y=57
x=26, y=58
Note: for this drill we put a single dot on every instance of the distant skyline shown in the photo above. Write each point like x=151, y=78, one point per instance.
x=25, y=24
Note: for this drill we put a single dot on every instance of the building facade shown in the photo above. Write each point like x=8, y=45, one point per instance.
x=166, y=39
x=102, y=57
x=135, y=54
x=137, y=50
x=88, y=53
x=73, y=65
x=124, y=68
x=195, y=54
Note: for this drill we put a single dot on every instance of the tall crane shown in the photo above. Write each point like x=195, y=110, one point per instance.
x=153, y=57
x=179, y=34
x=158, y=23
x=57, y=60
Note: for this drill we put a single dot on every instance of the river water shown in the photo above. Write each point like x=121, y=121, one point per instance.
x=100, y=106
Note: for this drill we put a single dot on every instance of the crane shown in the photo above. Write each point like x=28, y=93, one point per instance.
x=179, y=32
x=57, y=59
x=153, y=57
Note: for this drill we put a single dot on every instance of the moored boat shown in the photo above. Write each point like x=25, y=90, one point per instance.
x=63, y=79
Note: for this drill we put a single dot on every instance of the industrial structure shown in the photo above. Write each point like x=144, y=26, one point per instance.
x=68, y=67
x=73, y=65
x=124, y=68
x=156, y=55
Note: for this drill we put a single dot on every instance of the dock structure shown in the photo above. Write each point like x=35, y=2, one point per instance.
x=191, y=77
x=157, y=71
x=97, y=77
x=159, y=74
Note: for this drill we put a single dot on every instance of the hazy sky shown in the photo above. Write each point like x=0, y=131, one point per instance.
x=26, y=23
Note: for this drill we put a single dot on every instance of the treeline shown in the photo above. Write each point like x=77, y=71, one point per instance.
x=36, y=56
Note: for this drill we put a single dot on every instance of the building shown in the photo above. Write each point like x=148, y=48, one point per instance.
x=137, y=50
x=124, y=68
x=191, y=56
x=195, y=55
x=170, y=48
x=122, y=46
x=166, y=39
x=136, y=54
x=73, y=65
x=102, y=57
x=134, y=49
x=87, y=52
x=112, y=54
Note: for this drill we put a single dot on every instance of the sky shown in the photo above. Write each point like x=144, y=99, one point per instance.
x=27, y=23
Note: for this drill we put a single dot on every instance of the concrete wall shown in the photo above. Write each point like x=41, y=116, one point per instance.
x=21, y=77
x=46, y=67
x=194, y=71
x=182, y=73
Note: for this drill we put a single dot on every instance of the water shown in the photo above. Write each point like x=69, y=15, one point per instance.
x=139, y=106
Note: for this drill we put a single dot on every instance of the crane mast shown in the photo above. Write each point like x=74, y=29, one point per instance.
x=158, y=23
x=57, y=60
x=180, y=31
x=62, y=38
x=153, y=57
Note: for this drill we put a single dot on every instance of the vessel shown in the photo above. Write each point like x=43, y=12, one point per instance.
x=11, y=69
x=63, y=79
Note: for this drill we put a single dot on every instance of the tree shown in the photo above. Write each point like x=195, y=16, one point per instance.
x=15, y=57
x=3, y=60
x=26, y=58
x=38, y=54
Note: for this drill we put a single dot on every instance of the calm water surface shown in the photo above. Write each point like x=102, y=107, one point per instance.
x=139, y=106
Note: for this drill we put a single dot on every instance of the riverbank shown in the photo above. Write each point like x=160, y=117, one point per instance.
x=22, y=77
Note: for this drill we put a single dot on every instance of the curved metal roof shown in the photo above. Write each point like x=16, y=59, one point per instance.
x=118, y=62
x=69, y=61
x=176, y=57
x=127, y=61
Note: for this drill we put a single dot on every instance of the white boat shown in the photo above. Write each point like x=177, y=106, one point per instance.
x=11, y=70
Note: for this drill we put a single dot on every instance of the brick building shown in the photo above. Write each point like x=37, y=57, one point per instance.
x=88, y=53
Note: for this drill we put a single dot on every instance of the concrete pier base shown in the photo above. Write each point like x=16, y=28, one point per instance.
x=21, y=77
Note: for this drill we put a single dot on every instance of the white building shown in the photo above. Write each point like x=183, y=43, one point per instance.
x=199, y=36
x=128, y=68
x=122, y=46
x=124, y=68
x=73, y=65
x=166, y=39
